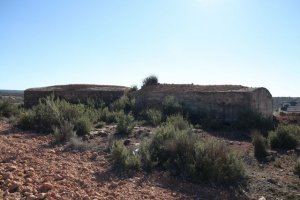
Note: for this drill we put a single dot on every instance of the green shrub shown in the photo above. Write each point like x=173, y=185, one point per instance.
x=26, y=120
x=83, y=126
x=64, y=132
x=284, y=137
x=215, y=163
x=150, y=80
x=125, y=124
x=122, y=158
x=171, y=106
x=8, y=109
x=175, y=148
x=260, y=145
x=109, y=116
x=297, y=167
x=123, y=104
x=51, y=112
x=153, y=117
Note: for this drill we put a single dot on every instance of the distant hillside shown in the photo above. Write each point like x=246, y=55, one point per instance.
x=278, y=100
x=12, y=93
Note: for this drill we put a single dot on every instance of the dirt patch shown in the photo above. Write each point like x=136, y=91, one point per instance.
x=33, y=169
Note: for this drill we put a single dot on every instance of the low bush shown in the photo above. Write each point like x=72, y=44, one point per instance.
x=64, y=132
x=171, y=106
x=83, y=126
x=297, y=167
x=125, y=124
x=26, y=120
x=175, y=148
x=214, y=162
x=260, y=145
x=150, y=80
x=77, y=144
x=153, y=117
x=284, y=137
x=122, y=158
x=51, y=112
x=123, y=104
x=8, y=109
x=109, y=116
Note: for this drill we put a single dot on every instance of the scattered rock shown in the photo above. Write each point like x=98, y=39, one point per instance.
x=6, y=175
x=11, y=168
x=46, y=187
x=13, y=187
x=127, y=142
x=262, y=198
x=273, y=181
x=41, y=196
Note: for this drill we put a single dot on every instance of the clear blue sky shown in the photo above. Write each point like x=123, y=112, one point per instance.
x=248, y=42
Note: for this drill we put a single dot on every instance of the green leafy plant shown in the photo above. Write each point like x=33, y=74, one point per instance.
x=284, y=137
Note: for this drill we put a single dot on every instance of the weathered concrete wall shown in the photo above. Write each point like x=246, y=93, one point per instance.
x=75, y=93
x=262, y=102
x=219, y=102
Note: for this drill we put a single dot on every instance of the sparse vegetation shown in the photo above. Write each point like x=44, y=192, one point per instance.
x=8, y=109
x=122, y=158
x=64, y=132
x=175, y=148
x=260, y=145
x=153, y=117
x=53, y=112
x=150, y=80
x=285, y=137
x=125, y=124
x=77, y=144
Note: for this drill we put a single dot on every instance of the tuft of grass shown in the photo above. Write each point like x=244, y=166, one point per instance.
x=285, y=137
x=122, y=158
x=64, y=132
x=260, y=145
x=150, y=80
x=125, y=124
x=297, y=167
x=77, y=144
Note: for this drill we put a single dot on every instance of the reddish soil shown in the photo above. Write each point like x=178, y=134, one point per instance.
x=30, y=168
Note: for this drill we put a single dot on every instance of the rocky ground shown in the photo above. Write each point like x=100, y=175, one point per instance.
x=30, y=168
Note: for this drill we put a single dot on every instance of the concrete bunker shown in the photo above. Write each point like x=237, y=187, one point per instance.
x=220, y=102
x=76, y=93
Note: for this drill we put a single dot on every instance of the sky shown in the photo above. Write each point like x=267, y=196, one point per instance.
x=120, y=42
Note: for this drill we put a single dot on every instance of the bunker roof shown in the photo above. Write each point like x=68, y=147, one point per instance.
x=80, y=87
x=196, y=88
